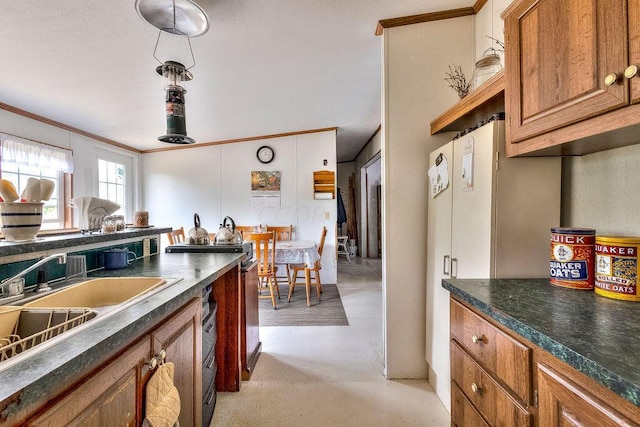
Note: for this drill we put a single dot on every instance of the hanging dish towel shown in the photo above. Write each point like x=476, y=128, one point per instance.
x=162, y=398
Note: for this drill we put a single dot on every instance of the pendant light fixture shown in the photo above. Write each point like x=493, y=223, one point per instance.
x=182, y=18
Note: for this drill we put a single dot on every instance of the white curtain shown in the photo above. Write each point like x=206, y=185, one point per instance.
x=31, y=153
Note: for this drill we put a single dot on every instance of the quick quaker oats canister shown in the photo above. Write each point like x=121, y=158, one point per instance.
x=617, y=267
x=572, y=257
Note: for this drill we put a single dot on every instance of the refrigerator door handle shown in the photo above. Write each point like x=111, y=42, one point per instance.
x=454, y=261
x=446, y=263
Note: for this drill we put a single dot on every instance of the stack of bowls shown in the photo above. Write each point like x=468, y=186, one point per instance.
x=20, y=221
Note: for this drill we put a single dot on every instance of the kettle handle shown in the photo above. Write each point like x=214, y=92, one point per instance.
x=233, y=224
x=196, y=220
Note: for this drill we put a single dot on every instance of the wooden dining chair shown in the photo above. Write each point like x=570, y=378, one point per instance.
x=263, y=243
x=176, y=236
x=282, y=233
x=248, y=229
x=297, y=268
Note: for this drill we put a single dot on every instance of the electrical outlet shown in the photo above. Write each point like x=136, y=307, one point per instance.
x=146, y=247
x=327, y=215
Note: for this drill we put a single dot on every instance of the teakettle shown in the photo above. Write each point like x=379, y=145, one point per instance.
x=228, y=235
x=197, y=235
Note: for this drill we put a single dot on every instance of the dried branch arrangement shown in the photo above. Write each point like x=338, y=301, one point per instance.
x=498, y=42
x=457, y=80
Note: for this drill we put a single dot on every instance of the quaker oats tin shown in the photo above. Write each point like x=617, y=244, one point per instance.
x=572, y=257
x=617, y=267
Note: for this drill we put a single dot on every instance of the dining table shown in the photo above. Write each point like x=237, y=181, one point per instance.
x=297, y=252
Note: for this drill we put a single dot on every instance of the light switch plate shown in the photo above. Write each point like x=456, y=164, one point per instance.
x=327, y=215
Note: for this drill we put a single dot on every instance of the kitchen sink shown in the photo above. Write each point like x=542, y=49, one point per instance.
x=100, y=292
x=68, y=310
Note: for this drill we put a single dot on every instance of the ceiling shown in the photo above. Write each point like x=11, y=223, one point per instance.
x=264, y=67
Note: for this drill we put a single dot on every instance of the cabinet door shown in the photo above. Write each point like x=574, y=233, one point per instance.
x=181, y=338
x=558, y=53
x=107, y=398
x=439, y=267
x=249, y=321
x=473, y=192
x=564, y=403
x=634, y=46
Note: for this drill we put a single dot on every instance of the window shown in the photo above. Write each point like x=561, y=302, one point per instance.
x=22, y=159
x=53, y=209
x=111, y=183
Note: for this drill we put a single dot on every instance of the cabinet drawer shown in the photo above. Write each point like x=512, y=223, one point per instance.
x=484, y=392
x=462, y=411
x=496, y=351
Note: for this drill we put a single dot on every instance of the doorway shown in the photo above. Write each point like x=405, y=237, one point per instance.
x=371, y=197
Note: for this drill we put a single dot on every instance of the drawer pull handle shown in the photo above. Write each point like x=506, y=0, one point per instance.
x=476, y=339
x=475, y=388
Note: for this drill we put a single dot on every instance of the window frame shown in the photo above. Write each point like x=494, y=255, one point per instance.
x=129, y=163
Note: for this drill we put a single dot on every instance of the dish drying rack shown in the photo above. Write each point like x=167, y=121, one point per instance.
x=37, y=325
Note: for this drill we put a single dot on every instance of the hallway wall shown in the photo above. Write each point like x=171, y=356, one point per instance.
x=415, y=59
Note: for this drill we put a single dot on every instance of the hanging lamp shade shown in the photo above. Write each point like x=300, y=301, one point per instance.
x=181, y=17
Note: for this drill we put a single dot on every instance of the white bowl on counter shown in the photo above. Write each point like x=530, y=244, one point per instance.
x=20, y=221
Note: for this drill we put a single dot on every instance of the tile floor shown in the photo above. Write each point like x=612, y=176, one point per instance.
x=331, y=375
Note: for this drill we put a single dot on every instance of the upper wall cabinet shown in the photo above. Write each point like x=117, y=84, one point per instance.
x=572, y=84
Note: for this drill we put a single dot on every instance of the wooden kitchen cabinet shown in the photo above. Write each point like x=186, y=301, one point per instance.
x=250, y=345
x=114, y=394
x=225, y=292
x=563, y=403
x=465, y=414
x=566, y=62
x=491, y=371
x=181, y=339
x=108, y=398
x=503, y=356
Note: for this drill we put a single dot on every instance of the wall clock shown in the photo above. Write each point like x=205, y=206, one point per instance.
x=265, y=154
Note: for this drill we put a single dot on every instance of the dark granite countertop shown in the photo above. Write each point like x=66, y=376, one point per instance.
x=63, y=241
x=59, y=365
x=597, y=336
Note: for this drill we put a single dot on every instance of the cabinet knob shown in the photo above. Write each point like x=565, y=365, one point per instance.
x=476, y=339
x=631, y=71
x=475, y=388
x=611, y=79
x=153, y=363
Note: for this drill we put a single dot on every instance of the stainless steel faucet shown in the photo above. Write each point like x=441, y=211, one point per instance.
x=62, y=259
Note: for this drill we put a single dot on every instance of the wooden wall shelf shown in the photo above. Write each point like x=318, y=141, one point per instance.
x=478, y=105
x=324, y=185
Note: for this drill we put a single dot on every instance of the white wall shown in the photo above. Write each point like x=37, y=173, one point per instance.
x=415, y=59
x=215, y=181
x=85, y=151
x=489, y=23
x=600, y=191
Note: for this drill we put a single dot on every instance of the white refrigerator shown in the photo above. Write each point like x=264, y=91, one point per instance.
x=488, y=217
